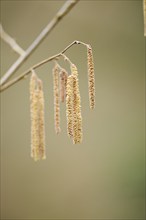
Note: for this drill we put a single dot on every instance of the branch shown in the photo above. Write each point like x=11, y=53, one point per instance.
x=27, y=72
x=61, y=13
x=12, y=43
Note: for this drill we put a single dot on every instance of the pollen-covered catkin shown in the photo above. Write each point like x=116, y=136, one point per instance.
x=37, y=118
x=91, y=77
x=74, y=70
x=34, y=117
x=56, y=98
x=63, y=83
x=69, y=107
x=65, y=73
x=42, y=153
x=77, y=117
x=62, y=87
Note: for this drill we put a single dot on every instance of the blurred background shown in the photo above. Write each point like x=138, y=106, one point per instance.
x=104, y=177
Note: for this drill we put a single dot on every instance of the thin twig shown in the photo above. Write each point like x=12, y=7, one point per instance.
x=61, y=13
x=12, y=43
x=27, y=72
x=67, y=59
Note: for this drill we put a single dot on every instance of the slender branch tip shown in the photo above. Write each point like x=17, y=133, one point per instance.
x=31, y=69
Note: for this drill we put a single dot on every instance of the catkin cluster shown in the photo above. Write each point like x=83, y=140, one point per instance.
x=37, y=118
x=69, y=91
x=65, y=89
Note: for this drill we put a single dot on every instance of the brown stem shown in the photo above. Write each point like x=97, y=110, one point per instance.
x=61, y=13
x=27, y=72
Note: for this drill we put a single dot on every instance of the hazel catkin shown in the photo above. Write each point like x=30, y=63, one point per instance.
x=69, y=107
x=56, y=98
x=77, y=116
x=37, y=118
x=91, y=77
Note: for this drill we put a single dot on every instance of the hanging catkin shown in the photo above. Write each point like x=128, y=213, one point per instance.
x=63, y=82
x=65, y=88
x=34, y=116
x=69, y=107
x=77, y=117
x=37, y=118
x=56, y=99
x=42, y=153
x=62, y=86
x=91, y=78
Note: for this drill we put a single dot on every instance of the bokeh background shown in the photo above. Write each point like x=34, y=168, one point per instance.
x=104, y=177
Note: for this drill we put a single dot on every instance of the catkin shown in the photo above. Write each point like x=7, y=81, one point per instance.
x=56, y=99
x=34, y=117
x=42, y=153
x=62, y=86
x=91, y=78
x=69, y=107
x=63, y=83
x=37, y=118
x=77, y=117
x=65, y=80
x=74, y=70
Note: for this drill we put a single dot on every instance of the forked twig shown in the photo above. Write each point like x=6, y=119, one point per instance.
x=12, y=43
x=61, y=13
x=27, y=72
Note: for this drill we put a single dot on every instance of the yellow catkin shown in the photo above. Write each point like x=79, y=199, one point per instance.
x=37, y=118
x=63, y=83
x=62, y=88
x=69, y=107
x=77, y=117
x=56, y=99
x=34, y=117
x=42, y=153
x=74, y=70
x=91, y=77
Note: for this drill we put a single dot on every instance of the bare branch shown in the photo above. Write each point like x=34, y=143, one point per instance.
x=61, y=13
x=12, y=43
x=27, y=72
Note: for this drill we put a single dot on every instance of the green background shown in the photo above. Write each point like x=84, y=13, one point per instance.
x=104, y=177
